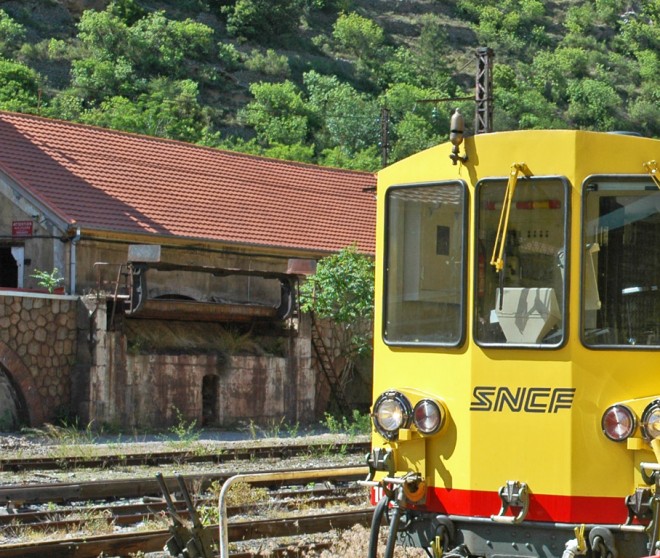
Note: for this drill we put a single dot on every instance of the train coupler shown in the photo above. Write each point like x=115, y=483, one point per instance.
x=380, y=459
x=513, y=494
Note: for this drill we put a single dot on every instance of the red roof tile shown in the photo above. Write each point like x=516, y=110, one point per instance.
x=106, y=180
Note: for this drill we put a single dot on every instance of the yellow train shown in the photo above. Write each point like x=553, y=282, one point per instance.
x=517, y=347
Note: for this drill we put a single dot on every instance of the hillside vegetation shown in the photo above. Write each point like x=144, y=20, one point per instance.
x=308, y=79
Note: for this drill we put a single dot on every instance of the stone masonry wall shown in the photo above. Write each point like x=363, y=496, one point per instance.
x=37, y=352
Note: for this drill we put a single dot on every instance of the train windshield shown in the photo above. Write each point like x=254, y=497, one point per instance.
x=425, y=264
x=523, y=303
x=621, y=263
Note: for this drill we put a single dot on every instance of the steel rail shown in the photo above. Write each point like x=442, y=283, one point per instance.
x=275, y=476
x=221, y=455
x=123, y=544
x=130, y=514
x=18, y=494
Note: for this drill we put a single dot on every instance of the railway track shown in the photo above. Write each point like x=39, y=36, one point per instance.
x=108, y=517
x=124, y=544
x=26, y=494
x=124, y=515
x=224, y=455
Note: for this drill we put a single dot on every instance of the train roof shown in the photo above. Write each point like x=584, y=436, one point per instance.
x=575, y=154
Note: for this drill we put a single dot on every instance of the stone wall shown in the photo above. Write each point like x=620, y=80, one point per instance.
x=38, y=351
x=134, y=384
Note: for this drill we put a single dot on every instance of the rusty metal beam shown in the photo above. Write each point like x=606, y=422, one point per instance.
x=190, y=310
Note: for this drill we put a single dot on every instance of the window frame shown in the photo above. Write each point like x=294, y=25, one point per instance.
x=632, y=178
x=566, y=210
x=465, y=214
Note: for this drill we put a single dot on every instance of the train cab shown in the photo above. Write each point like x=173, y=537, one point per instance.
x=517, y=347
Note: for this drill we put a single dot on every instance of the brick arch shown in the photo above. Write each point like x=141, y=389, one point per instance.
x=23, y=382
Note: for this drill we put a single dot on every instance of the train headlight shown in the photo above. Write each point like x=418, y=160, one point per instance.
x=392, y=411
x=651, y=421
x=428, y=416
x=618, y=423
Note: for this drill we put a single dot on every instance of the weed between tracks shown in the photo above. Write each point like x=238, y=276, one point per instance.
x=87, y=522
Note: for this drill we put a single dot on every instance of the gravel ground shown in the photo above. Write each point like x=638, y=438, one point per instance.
x=348, y=544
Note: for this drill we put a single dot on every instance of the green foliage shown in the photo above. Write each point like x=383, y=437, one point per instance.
x=48, y=279
x=593, y=104
x=278, y=113
x=262, y=19
x=342, y=116
x=413, y=125
x=161, y=45
x=270, y=63
x=357, y=35
x=135, y=67
x=358, y=424
x=12, y=34
x=129, y=11
x=169, y=109
x=368, y=159
x=295, y=152
x=96, y=79
x=342, y=290
x=19, y=87
x=360, y=38
x=229, y=56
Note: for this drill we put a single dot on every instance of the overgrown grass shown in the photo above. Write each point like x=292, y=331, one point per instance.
x=68, y=440
x=184, y=435
x=356, y=425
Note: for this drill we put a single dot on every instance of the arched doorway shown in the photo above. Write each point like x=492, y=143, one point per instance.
x=12, y=409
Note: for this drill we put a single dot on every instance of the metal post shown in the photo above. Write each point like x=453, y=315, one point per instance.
x=384, y=135
x=483, y=120
x=276, y=476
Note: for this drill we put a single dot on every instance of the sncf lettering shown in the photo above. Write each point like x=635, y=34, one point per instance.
x=521, y=399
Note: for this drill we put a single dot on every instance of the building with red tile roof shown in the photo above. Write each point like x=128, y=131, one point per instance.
x=108, y=182
x=226, y=236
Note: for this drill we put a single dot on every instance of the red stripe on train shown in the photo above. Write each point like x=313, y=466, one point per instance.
x=542, y=507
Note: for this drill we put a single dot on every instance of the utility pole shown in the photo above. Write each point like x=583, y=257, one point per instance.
x=483, y=119
x=384, y=135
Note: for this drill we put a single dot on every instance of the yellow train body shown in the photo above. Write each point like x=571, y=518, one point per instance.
x=522, y=442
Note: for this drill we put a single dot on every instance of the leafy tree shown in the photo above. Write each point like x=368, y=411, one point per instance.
x=296, y=152
x=104, y=35
x=270, y=63
x=368, y=159
x=413, y=125
x=161, y=45
x=343, y=116
x=12, y=34
x=96, y=79
x=170, y=109
x=129, y=11
x=278, y=113
x=262, y=19
x=342, y=291
x=19, y=87
x=593, y=104
x=361, y=38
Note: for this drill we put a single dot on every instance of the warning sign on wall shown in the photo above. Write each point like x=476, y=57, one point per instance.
x=21, y=228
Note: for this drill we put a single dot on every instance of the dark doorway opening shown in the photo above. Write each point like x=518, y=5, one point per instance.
x=209, y=400
x=8, y=268
x=13, y=410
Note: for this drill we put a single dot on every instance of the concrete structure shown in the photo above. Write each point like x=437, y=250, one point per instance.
x=183, y=260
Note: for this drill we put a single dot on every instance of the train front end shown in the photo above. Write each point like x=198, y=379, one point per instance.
x=517, y=348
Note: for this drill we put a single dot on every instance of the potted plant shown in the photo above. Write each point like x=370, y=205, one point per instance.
x=49, y=280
